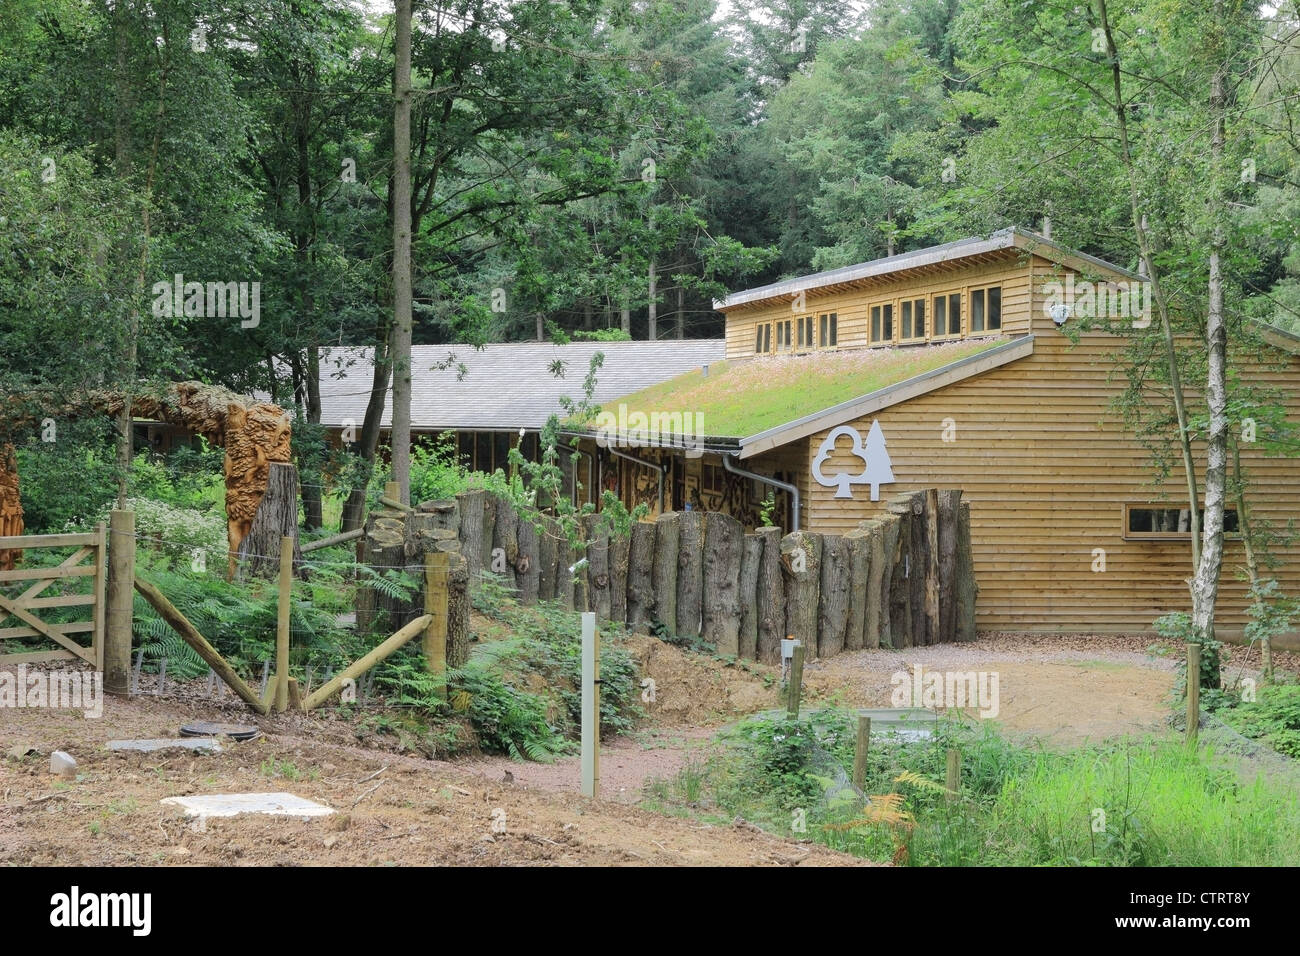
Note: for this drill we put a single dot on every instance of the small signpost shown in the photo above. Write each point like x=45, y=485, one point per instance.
x=590, y=705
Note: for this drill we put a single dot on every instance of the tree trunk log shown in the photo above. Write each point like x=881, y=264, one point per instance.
x=891, y=533
x=445, y=511
x=473, y=506
x=723, y=538
x=858, y=543
x=931, y=553
x=833, y=598
x=640, y=578
x=528, y=567
x=965, y=588
x=876, y=624
x=771, y=597
x=619, y=552
x=801, y=564
x=900, y=585
x=276, y=516
x=385, y=552
x=547, y=547
x=667, y=544
x=597, y=566
x=751, y=558
x=458, y=609
x=505, y=541
x=949, y=517
x=690, y=575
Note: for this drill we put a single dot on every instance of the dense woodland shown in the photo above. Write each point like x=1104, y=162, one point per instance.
x=477, y=171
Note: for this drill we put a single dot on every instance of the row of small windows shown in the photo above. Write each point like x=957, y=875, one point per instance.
x=984, y=314
x=813, y=332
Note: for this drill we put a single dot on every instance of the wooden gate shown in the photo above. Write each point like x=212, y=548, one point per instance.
x=20, y=602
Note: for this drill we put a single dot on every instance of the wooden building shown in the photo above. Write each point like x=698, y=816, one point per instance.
x=955, y=366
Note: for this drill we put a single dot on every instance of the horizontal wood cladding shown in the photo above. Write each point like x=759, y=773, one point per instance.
x=1047, y=469
x=852, y=306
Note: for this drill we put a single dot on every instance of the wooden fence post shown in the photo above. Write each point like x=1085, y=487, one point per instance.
x=954, y=775
x=860, y=754
x=436, y=566
x=282, y=626
x=121, y=600
x=1193, y=690
x=590, y=705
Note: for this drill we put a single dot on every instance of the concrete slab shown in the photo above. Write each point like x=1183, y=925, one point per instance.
x=207, y=745
x=233, y=804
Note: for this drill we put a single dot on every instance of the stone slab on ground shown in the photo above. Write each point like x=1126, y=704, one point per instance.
x=208, y=745
x=233, y=804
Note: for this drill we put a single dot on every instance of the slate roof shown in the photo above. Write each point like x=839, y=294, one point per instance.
x=506, y=386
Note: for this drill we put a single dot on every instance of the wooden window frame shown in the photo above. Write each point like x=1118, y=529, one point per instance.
x=1163, y=535
x=763, y=338
x=883, y=304
x=962, y=309
x=970, y=328
x=925, y=319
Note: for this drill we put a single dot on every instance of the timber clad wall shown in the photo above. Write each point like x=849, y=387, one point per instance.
x=1047, y=470
x=1010, y=269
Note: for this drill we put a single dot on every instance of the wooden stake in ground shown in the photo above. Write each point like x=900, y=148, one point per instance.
x=833, y=598
x=590, y=706
x=640, y=577
x=953, y=781
x=801, y=565
x=436, y=568
x=723, y=538
x=690, y=575
x=121, y=599
x=751, y=557
x=860, y=754
x=664, y=576
x=1193, y=690
x=282, y=625
x=770, y=597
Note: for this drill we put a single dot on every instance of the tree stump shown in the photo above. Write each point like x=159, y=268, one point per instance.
x=505, y=541
x=858, y=543
x=751, y=559
x=548, y=545
x=640, y=578
x=619, y=552
x=598, y=566
x=801, y=565
x=770, y=597
x=458, y=610
x=276, y=516
x=384, y=552
x=473, y=520
x=690, y=574
x=445, y=512
x=900, y=584
x=931, y=554
x=667, y=543
x=723, y=537
x=965, y=587
x=528, y=566
x=833, y=598
x=876, y=626
x=949, y=518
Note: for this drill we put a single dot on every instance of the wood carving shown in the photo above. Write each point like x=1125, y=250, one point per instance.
x=11, y=507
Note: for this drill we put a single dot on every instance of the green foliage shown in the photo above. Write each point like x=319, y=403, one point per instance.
x=767, y=510
x=1177, y=626
x=436, y=471
x=1274, y=718
x=50, y=501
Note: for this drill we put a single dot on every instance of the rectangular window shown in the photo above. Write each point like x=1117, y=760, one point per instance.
x=758, y=338
x=807, y=322
x=828, y=331
x=1171, y=524
x=986, y=309
x=802, y=341
x=882, y=322
x=911, y=318
x=763, y=338
x=835, y=331
x=947, y=315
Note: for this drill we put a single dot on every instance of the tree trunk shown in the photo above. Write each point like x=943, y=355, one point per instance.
x=528, y=567
x=751, y=559
x=949, y=518
x=965, y=589
x=598, y=566
x=548, y=546
x=723, y=537
x=277, y=515
x=858, y=543
x=652, y=307
x=505, y=540
x=900, y=584
x=384, y=553
x=771, y=597
x=312, y=493
x=640, y=578
x=619, y=552
x=833, y=597
x=368, y=441
x=801, y=564
x=931, y=505
x=472, y=506
x=681, y=313
x=875, y=627
x=690, y=574
x=458, y=611
x=667, y=544
x=401, y=433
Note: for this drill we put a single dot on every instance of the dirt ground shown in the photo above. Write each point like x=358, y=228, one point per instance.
x=398, y=808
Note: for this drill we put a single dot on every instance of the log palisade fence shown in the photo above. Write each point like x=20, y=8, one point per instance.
x=903, y=579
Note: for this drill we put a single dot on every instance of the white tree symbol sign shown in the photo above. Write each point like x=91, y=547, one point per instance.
x=877, y=469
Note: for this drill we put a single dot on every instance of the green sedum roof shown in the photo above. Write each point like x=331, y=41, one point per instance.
x=739, y=399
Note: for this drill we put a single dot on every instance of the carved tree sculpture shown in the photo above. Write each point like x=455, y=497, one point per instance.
x=254, y=435
x=11, y=507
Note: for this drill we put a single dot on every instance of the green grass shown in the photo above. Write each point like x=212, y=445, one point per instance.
x=1150, y=803
x=739, y=399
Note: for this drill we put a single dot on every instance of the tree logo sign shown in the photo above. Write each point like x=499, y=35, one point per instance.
x=877, y=469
